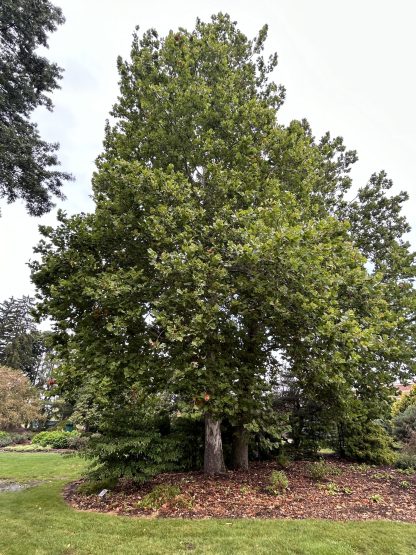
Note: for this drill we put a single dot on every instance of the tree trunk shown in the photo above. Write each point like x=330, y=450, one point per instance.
x=240, y=449
x=213, y=455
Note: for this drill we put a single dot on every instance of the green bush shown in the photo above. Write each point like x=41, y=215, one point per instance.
x=278, y=482
x=283, y=460
x=321, y=470
x=95, y=486
x=404, y=401
x=367, y=442
x=404, y=425
x=5, y=439
x=54, y=439
x=25, y=448
x=406, y=461
x=11, y=438
x=160, y=495
x=142, y=438
x=135, y=454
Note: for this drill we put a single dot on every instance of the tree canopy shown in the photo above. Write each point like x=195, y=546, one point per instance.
x=222, y=257
x=19, y=400
x=27, y=162
x=22, y=345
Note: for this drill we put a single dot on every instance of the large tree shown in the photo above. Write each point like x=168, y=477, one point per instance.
x=215, y=256
x=27, y=162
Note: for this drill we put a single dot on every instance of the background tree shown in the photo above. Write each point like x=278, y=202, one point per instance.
x=22, y=345
x=19, y=400
x=27, y=163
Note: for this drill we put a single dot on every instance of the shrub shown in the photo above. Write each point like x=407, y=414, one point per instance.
x=55, y=439
x=77, y=441
x=404, y=401
x=367, y=441
x=160, y=495
x=283, y=460
x=5, y=439
x=321, y=470
x=24, y=437
x=332, y=488
x=406, y=461
x=137, y=455
x=27, y=447
x=376, y=498
x=278, y=482
x=95, y=486
x=404, y=484
x=404, y=425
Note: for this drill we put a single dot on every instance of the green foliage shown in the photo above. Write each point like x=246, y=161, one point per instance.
x=10, y=438
x=406, y=461
x=139, y=438
x=322, y=470
x=404, y=401
x=27, y=163
x=222, y=261
x=19, y=400
x=404, y=424
x=5, y=439
x=332, y=488
x=404, y=484
x=54, y=439
x=382, y=476
x=27, y=448
x=278, y=482
x=283, y=460
x=376, y=498
x=161, y=494
x=95, y=486
x=22, y=345
x=367, y=442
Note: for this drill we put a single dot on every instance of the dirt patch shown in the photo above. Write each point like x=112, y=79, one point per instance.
x=355, y=493
x=7, y=486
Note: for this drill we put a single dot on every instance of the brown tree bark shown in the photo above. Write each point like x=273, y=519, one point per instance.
x=213, y=455
x=240, y=448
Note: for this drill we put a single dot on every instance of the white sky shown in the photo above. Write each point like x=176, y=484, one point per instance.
x=348, y=67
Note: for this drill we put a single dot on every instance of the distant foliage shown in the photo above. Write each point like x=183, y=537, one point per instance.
x=19, y=401
x=22, y=345
x=404, y=401
x=55, y=439
x=367, y=442
x=404, y=424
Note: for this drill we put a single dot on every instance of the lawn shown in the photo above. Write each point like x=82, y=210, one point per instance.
x=37, y=521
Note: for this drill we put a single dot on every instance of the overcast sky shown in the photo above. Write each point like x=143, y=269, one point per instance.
x=348, y=67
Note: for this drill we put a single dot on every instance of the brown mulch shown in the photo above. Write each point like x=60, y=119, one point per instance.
x=239, y=494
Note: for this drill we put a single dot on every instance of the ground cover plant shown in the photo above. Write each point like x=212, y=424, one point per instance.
x=50, y=526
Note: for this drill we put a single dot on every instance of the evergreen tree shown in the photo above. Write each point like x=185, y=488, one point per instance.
x=22, y=345
x=27, y=163
x=215, y=257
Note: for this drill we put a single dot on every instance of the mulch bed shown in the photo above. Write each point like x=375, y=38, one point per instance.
x=370, y=493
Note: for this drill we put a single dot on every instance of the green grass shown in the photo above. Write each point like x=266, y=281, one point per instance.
x=37, y=521
x=24, y=467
